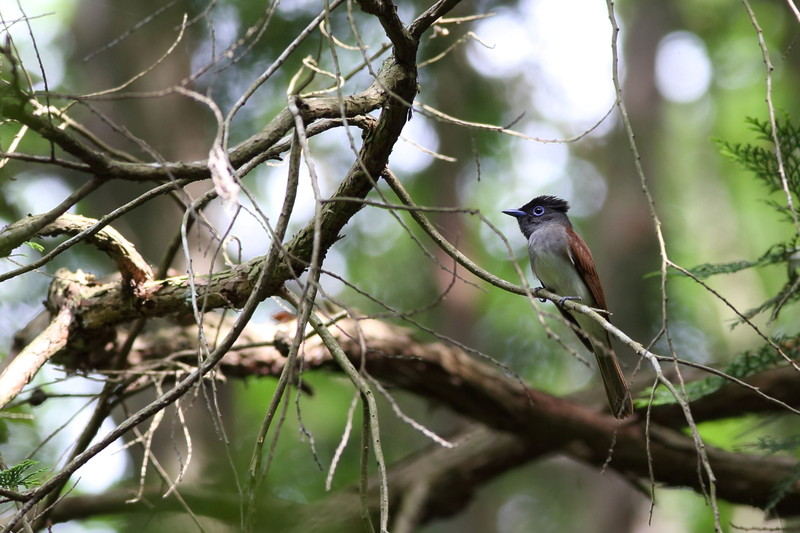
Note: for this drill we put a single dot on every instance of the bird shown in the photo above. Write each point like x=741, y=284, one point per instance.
x=562, y=262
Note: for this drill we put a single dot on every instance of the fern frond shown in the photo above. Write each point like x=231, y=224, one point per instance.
x=777, y=253
x=762, y=160
x=16, y=475
x=742, y=366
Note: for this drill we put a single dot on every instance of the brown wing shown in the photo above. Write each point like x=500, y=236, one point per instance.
x=584, y=264
x=619, y=395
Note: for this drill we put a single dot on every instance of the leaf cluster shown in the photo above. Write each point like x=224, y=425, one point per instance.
x=761, y=159
x=741, y=367
x=771, y=444
x=777, y=253
x=17, y=475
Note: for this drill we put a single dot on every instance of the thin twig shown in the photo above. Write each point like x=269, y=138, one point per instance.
x=444, y=443
x=436, y=114
x=279, y=61
x=370, y=413
x=348, y=427
x=620, y=104
x=144, y=72
x=274, y=255
x=773, y=124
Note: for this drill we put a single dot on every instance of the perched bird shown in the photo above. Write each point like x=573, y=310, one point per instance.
x=564, y=265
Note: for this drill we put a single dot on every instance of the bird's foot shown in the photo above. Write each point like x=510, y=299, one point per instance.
x=543, y=300
x=565, y=298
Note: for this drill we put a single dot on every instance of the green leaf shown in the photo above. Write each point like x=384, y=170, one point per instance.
x=35, y=245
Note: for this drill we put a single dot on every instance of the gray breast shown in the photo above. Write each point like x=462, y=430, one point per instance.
x=552, y=263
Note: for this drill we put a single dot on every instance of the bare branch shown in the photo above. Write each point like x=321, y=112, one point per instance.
x=405, y=45
x=133, y=268
x=47, y=344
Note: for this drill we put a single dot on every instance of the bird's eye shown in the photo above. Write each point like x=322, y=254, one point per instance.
x=538, y=211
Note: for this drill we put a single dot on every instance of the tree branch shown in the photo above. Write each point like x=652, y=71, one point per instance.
x=527, y=425
x=405, y=45
x=554, y=425
x=130, y=264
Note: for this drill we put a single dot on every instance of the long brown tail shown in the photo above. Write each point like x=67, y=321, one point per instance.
x=619, y=395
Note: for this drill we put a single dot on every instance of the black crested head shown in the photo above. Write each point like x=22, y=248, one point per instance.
x=548, y=202
x=539, y=211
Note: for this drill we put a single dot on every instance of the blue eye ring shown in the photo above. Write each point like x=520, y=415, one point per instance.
x=538, y=211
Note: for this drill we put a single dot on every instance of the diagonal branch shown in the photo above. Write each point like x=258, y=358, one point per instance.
x=130, y=264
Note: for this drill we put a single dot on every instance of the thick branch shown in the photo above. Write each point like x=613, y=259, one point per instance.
x=14, y=105
x=105, y=167
x=554, y=425
x=733, y=400
x=540, y=424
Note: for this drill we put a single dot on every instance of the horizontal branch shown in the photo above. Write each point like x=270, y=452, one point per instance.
x=106, y=167
x=548, y=424
x=527, y=424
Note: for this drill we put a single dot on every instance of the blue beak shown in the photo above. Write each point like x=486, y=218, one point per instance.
x=515, y=212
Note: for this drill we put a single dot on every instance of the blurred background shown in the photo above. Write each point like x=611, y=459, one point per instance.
x=691, y=71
